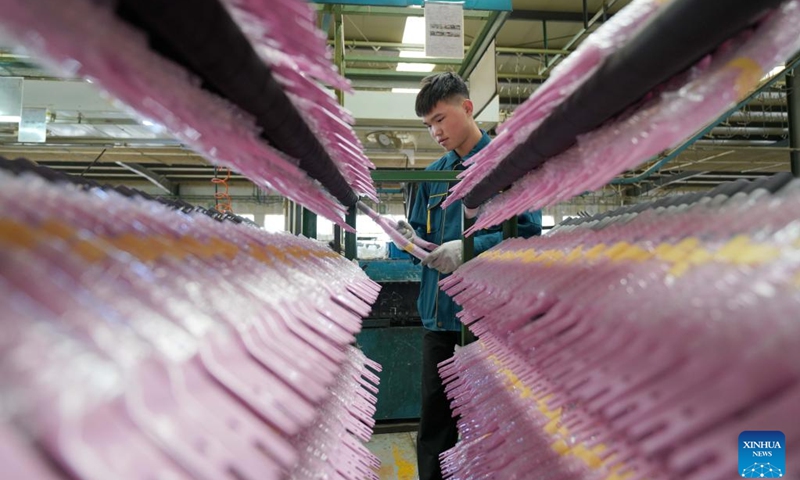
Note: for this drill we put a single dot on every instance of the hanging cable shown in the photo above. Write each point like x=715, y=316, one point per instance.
x=94, y=162
x=222, y=200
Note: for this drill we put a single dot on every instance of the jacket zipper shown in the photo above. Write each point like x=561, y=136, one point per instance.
x=439, y=274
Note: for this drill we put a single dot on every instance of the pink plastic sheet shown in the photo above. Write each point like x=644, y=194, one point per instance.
x=638, y=346
x=178, y=345
x=714, y=85
x=117, y=59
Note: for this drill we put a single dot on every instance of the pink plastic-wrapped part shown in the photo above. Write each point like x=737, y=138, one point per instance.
x=19, y=458
x=118, y=60
x=80, y=429
x=340, y=141
x=119, y=347
x=275, y=27
x=632, y=346
x=715, y=85
x=417, y=247
x=565, y=78
x=337, y=452
x=135, y=290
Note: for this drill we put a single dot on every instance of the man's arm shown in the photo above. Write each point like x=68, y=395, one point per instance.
x=529, y=224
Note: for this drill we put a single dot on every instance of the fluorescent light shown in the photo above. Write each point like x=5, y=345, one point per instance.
x=147, y=123
x=405, y=90
x=9, y=118
x=414, y=31
x=414, y=67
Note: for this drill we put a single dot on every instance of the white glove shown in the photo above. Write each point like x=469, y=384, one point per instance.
x=446, y=258
x=406, y=230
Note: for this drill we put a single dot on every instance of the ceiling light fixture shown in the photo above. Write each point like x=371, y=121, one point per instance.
x=414, y=34
x=405, y=90
x=414, y=67
x=415, y=30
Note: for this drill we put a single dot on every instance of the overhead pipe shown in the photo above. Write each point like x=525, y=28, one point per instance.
x=771, y=98
x=683, y=33
x=420, y=47
x=735, y=143
x=728, y=131
x=759, y=116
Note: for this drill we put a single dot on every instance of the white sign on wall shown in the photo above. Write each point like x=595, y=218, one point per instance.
x=444, y=29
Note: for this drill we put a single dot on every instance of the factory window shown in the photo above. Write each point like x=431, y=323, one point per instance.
x=274, y=223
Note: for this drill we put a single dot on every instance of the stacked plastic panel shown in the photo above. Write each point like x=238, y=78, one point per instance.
x=140, y=341
x=636, y=344
x=229, y=79
x=587, y=123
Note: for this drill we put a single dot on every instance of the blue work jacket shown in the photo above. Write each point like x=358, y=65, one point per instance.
x=437, y=225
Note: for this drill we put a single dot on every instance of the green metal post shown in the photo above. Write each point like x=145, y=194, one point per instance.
x=309, y=223
x=467, y=337
x=338, y=47
x=544, y=37
x=793, y=104
x=324, y=20
x=337, y=239
x=338, y=59
x=350, y=249
x=510, y=229
x=297, y=219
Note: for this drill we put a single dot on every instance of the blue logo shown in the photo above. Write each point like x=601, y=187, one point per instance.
x=762, y=454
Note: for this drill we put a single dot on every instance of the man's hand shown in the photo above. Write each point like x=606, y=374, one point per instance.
x=406, y=230
x=446, y=258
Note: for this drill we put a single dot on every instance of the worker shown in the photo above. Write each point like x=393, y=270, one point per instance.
x=446, y=109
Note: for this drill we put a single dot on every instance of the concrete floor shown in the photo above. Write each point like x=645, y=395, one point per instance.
x=398, y=454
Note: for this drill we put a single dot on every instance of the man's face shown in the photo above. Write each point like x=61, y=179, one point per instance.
x=449, y=122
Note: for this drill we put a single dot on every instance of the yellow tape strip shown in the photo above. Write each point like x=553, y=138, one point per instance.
x=144, y=248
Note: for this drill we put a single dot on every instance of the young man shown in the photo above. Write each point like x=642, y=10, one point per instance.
x=445, y=107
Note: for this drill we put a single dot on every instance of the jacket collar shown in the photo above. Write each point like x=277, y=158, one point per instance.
x=453, y=157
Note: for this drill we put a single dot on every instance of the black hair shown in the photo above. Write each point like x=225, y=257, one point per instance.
x=438, y=87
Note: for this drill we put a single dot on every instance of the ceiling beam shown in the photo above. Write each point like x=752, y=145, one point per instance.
x=386, y=74
x=493, y=5
x=397, y=11
x=388, y=59
x=543, y=15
